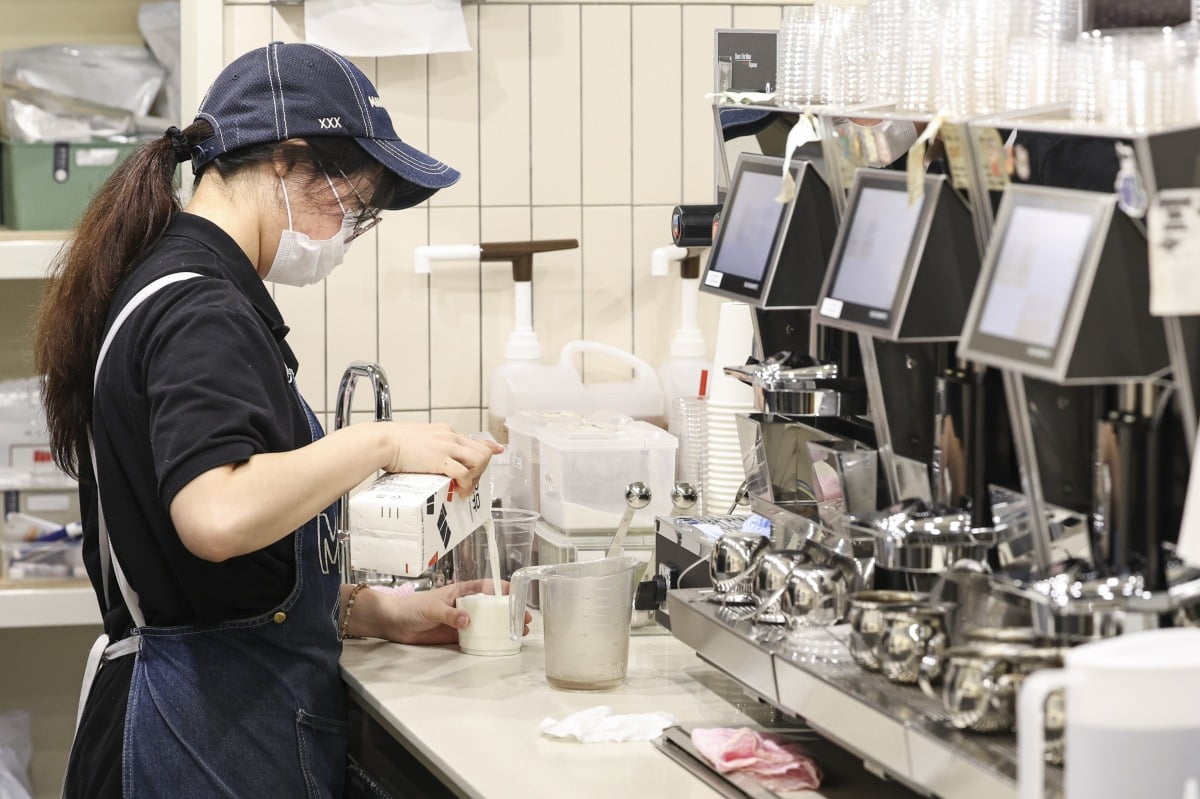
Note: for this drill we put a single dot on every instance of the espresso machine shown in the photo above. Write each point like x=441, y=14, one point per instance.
x=1101, y=393
x=1020, y=464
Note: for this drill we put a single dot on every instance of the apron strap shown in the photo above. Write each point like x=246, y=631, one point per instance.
x=101, y=649
x=107, y=554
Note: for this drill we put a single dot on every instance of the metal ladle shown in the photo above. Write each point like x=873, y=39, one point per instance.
x=741, y=498
x=637, y=496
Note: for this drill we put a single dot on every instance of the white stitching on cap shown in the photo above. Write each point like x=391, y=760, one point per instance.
x=420, y=165
x=271, y=83
x=282, y=99
x=403, y=156
x=216, y=126
x=358, y=95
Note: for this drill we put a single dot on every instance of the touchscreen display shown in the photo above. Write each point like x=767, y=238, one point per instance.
x=748, y=226
x=1035, y=274
x=876, y=248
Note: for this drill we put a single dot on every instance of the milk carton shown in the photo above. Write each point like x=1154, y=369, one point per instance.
x=402, y=523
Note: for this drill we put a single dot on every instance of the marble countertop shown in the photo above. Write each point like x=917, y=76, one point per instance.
x=475, y=720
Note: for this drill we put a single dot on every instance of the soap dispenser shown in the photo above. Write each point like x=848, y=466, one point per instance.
x=686, y=370
x=514, y=383
x=522, y=382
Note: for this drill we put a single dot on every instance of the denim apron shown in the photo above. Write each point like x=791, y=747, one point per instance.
x=247, y=708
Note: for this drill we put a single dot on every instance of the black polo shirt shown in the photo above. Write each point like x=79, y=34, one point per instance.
x=198, y=377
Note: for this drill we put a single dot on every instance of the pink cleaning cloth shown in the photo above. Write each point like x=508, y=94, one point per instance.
x=777, y=764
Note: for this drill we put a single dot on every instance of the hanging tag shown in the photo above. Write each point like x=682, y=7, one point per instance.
x=1173, y=232
x=956, y=154
x=915, y=166
x=993, y=157
x=847, y=150
x=1130, y=188
x=804, y=131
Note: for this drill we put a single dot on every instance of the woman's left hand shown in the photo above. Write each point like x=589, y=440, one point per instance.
x=429, y=617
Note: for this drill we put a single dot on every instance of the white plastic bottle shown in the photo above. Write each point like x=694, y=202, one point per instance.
x=685, y=372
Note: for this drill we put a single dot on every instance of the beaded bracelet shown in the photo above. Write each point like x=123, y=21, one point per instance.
x=349, y=607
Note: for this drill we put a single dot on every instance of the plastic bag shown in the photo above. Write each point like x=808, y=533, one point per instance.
x=159, y=24
x=16, y=749
x=118, y=76
x=36, y=115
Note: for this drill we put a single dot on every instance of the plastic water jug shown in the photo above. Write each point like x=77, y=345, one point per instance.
x=526, y=385
x=1132, y=718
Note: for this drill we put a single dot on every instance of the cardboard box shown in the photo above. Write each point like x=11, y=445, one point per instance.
x=46, y=185
x=403, y=523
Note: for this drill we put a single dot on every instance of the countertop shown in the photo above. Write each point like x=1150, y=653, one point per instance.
x=474, y=720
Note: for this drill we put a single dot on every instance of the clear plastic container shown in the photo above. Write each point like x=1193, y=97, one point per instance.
x=556, y=547
x=585, y=467
x=36, y=561
x=524, y=457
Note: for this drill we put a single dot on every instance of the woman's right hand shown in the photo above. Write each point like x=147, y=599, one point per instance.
x=438, y=449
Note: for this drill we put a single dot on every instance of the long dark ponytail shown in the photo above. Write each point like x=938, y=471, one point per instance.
x=125, y=218
x=127, y=215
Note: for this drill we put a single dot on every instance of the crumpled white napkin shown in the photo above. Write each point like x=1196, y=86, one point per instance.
x=600, y=725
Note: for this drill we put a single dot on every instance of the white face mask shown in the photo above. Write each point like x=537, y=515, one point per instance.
x=300, y=261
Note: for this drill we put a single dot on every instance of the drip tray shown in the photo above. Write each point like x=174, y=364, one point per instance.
x=845, y=777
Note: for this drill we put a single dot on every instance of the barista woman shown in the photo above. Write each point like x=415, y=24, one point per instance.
x=207, y=491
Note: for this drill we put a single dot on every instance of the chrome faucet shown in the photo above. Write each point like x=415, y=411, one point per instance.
x=341, y=418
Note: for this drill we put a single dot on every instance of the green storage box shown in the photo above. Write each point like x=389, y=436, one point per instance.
x=46, y=186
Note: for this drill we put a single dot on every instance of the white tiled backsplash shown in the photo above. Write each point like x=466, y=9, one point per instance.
x=583, y=121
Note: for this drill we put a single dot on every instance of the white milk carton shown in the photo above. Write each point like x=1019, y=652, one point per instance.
x=402, y=523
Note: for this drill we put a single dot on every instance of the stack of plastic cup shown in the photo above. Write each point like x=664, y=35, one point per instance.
x=922, y=38
x=798, y=58
x=688, y=421
x=727, y=397
x=885, y=46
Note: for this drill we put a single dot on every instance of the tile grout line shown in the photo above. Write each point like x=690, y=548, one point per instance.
x=632, y=302
x=428, y=238
x=479, y=160
x=582, y=190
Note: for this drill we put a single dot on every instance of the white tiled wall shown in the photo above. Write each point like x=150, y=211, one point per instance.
x=567, y=120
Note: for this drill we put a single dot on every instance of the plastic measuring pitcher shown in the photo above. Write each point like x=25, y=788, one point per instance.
x=1132, y=718
x=586, y=609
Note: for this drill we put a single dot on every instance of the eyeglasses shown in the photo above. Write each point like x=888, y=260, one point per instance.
x=367, y=217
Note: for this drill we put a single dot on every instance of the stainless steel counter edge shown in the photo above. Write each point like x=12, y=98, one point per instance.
x=893, y=737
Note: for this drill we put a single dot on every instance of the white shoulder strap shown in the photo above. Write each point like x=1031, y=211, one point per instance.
x=107, y=555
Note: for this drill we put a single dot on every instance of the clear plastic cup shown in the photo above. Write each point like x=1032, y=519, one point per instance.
x=488, y=632
x=515, y=531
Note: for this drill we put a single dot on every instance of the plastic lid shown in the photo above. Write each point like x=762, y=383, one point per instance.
x=597, y=435
x=529, y=422
x=1151, y=650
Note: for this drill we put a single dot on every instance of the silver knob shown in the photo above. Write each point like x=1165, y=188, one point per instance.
x=637, y=495
x=684, y=495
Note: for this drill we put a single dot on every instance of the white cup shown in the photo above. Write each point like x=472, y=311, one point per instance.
x=734, y=345
x=488, y=633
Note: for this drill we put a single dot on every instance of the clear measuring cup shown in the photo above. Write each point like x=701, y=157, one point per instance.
x=586, y=610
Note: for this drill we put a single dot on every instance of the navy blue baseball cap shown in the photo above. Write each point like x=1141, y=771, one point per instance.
x=285, y=91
